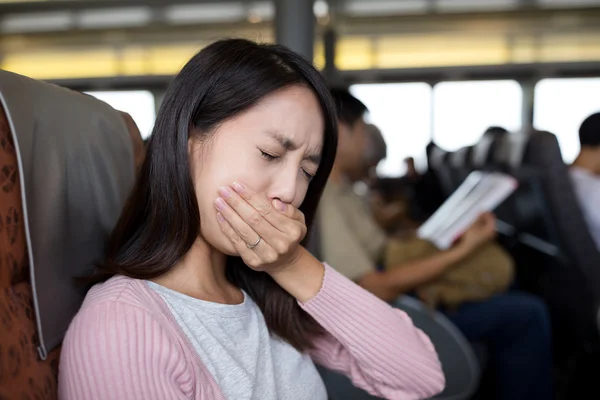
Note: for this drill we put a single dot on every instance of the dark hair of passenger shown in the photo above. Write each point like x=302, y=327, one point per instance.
x=349, y=108
x=497, y=131
x=589, y=131
x=161, y=219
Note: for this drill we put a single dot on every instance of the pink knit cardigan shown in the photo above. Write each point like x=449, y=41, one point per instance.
x=125, y=344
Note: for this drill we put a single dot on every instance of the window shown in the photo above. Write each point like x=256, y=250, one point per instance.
x=560, y=107
x=137, y=103
x=402, y=111
x=567, y=3
x=462, y=111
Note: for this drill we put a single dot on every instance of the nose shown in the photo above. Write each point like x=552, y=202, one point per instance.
x=285, y=185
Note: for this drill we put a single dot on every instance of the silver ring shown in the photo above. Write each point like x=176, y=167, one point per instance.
x=253, y=245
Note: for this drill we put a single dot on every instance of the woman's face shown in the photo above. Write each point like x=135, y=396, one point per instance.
x=273, y=148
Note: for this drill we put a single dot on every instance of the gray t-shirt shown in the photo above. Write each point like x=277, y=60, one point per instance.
x=587, y=187
x=234, y=343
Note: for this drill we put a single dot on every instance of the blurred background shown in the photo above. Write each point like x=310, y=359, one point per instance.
x=441, y=70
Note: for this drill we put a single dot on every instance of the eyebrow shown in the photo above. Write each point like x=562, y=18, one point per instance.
x=289, y=145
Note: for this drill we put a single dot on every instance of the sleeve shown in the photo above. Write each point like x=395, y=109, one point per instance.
x=339, y=246
x=118, y=351
x=375, y=345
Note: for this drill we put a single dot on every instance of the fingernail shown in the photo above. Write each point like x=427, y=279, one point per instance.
x=224, y=191
x=220, y=217
x=220, y=203
x=238, y=187
x=279, y=205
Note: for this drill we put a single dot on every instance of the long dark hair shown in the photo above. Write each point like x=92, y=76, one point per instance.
x=161, y=220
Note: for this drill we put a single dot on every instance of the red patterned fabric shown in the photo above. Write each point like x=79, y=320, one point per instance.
x=22, y=374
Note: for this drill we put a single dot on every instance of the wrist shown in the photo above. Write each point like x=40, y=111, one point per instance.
x=460, y=251
x=302, y=277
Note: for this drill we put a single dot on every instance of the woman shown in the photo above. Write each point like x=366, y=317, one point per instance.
x=211, y=294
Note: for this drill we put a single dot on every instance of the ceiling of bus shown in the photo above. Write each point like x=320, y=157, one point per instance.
x=61, y=15
x=56, y=39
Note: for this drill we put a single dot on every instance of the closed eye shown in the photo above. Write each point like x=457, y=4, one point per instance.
x=307, y=175
x=267, y=156
x=270, y=157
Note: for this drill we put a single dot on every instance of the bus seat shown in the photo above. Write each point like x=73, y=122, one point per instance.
x=37, y=211
x=438, y=160
x=571, y=283
x=460, y=166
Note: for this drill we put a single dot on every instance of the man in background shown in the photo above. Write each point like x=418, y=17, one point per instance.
x=585, y=173
x=515, y=326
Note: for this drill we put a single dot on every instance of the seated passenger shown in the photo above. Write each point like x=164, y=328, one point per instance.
x=392, y=201
x=515, y=326
x=585, y=173
x=208, y=292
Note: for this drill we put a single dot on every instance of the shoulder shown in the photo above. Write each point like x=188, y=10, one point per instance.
x=120, y=316
x=118, y=308
x=121, y=328
x=119, y=289
x=585, y=183
x=581, y=174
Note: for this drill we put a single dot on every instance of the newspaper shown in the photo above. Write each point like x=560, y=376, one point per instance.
x=480, y=192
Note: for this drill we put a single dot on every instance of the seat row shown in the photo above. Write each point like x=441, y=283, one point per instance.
x=541, y=223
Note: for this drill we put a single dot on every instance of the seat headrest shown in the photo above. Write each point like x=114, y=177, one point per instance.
x=460, y=157
x=437, y=158
x=511, y=149
x=544, y=145
x=76, y=166
x=480, y=151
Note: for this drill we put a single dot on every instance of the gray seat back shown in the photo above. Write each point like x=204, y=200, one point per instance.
x=460, y=165
x=543, y=154
x=459, y=362
x=438, y=163
x=537, y=154
x=76, y=163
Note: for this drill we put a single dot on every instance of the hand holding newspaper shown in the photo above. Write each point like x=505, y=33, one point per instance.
x=480, y=192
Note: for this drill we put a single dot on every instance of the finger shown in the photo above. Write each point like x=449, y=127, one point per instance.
x=260, y=203
x=489, y=216
x=489, y=219
x=249, y=217
x=253, y=204
x=245, y=231
x=248, y=255
x=288, y=210
x=298, y=229
x=260, y=255
x=271, y=242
